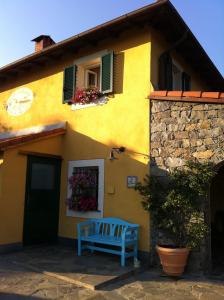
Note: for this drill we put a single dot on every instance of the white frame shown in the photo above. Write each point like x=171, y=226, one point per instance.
x=88, y=163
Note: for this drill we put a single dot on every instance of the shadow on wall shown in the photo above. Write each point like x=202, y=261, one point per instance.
x=77, y=146
x=118, y=73
x=4, y=128
x=119, y=200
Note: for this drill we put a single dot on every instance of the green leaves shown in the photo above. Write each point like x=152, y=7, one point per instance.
x=177, y=204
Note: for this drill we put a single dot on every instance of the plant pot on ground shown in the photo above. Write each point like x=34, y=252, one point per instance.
x=176, y=205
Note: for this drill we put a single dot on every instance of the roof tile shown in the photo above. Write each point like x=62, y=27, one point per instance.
x=210, y=94
x=18, y=140
x=159, y=93
x=190, y=96
x=174, y=93
x=196, y=94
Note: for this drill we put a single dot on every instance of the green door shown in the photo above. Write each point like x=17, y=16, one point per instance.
x=42, y=200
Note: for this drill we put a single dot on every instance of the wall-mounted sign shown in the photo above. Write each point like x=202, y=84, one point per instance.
x=19, y=102
x=131, y=181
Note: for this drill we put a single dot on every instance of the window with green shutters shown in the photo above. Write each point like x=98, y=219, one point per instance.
x=107, y=73
x=69, y=83
x=93, y=71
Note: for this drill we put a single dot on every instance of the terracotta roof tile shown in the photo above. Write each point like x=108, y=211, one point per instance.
x=190, y=96
x=174, y=93
x=159, y=93
x=196, y=94
x=210, y=94
x=16, y=141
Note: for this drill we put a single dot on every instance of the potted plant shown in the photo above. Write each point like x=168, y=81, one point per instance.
x=176, y=206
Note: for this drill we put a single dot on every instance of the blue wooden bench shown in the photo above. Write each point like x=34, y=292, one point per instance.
x=110, y=232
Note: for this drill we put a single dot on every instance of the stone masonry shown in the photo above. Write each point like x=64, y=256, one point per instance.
x=181, y=131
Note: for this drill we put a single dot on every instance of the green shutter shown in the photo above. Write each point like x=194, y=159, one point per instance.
x=107, y=62
x=165, y=72
x=186, y=82
x=69, y=83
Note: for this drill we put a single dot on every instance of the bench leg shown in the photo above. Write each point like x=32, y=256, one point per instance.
x=92, y=251
x=135, y=250
x=79, y=247
x=123, y=255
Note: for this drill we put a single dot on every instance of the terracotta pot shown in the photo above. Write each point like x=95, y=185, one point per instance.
x=173, y=260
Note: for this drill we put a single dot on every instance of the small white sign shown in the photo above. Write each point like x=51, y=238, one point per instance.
x=131, y=181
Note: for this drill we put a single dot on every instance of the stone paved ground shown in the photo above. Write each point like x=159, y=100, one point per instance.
x=17, y=282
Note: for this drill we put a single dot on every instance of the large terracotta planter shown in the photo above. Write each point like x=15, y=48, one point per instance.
x=173, y=260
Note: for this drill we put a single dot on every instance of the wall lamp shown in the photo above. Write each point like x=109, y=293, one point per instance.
x=118, y=150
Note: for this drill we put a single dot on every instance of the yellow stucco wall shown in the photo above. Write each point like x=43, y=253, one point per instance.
x=13, y=182
x=91, y=133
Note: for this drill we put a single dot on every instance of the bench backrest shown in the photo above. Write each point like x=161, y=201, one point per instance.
x=110, y=226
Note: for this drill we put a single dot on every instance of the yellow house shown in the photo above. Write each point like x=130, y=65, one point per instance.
x=80, y=107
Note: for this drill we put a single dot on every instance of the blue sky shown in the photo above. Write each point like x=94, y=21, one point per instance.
x=22, y=20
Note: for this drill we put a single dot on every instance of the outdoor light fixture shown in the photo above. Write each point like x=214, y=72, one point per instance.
x=117, y=150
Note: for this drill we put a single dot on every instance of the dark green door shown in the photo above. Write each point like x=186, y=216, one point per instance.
x=42, y=200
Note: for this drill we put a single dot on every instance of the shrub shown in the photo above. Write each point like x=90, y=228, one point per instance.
x=177, y=206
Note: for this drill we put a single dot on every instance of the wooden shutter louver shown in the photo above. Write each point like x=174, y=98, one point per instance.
x=107, y=73
x=69, y=83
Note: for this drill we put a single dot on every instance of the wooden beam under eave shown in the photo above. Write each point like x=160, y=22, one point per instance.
x=40, y=154
x=12, y=73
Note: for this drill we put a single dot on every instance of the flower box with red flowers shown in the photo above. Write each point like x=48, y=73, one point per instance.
x=86, y=96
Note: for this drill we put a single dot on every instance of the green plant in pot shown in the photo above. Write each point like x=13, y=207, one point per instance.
x=176, y=205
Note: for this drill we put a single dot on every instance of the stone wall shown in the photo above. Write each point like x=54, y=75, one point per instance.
x=182, y=131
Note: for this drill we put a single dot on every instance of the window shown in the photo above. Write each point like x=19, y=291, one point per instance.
x=85, y=188
x=92, y=77
x=88, y=72
x=186, y=82
x=176, y=78
x=171, y=75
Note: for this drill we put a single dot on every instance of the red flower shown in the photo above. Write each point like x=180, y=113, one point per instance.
x=86, y=96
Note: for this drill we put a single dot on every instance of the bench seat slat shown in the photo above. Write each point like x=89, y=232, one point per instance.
x=103, y=239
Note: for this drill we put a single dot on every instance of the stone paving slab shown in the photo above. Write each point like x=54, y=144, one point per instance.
x=17, y=282
x=92, y=271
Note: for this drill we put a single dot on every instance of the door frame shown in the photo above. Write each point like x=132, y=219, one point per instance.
x=31, y=158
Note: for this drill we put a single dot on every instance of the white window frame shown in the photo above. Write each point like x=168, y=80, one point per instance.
x=88, y=163
x=93, y=56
